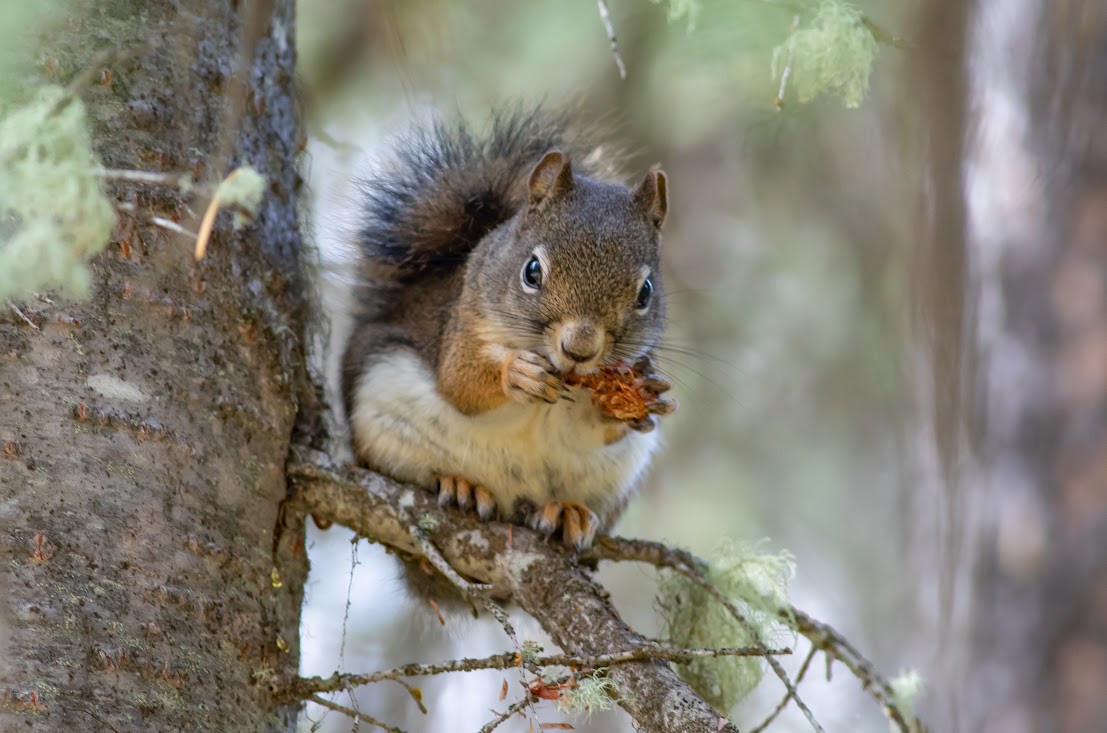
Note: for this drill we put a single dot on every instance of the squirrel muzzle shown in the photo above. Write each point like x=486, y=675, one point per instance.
x=577, y=345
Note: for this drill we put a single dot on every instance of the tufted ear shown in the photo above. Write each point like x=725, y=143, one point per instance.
x=652, y=197
x=551, y=179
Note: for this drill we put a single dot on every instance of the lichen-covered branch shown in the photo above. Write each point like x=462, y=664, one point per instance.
x=821, y=636
x=546, y=581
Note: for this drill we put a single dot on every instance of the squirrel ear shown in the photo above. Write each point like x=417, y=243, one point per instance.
x=551, y=179
x=652, y=196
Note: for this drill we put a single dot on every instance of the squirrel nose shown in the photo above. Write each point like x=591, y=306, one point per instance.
x=577, y=357
x=581, y=342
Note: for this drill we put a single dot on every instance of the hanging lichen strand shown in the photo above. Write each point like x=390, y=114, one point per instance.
x=54, y=215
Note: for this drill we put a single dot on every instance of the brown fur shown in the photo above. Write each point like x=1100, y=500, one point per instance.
x=450, y=243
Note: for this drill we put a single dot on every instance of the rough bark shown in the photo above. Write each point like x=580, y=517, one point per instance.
x=145, y=428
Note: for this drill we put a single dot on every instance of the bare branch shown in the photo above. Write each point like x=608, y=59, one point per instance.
x=354, y=714
x=788, y=696
x=23, y=316
x=513, y=709
x=605, y=16
x=302, y=688
x=152, y=178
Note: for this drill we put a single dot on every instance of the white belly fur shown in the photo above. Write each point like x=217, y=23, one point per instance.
x=541, y=452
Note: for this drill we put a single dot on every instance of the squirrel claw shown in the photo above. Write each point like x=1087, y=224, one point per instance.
x=465, y=495
x=662, y=407
x=447, y=493
x=578, y=523
x=528, y=376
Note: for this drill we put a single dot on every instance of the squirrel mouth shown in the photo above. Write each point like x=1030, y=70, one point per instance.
x=577, y=368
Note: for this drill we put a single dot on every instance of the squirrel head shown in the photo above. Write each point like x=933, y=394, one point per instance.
x=575, y=275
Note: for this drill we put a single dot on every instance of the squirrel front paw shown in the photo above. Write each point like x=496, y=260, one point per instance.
x=454, y=491
x=528, y=376
x=578, y=523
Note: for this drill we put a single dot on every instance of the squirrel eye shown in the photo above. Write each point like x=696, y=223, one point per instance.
x=532, y=274
x=644, y=295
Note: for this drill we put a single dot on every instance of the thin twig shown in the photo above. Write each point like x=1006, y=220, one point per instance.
x=434, y=557
x=826, y=638
x=779, y=101
x=476, y=592
x=172, y=226
x=158, y=221
x=302, y=687
x=513, y=709
x=415, y=693
x=605, y=16
x=208, y=222
x=22, y=315
x=155, y=178
x=788, y=695
x=349, y=601
x=883, y=35
x=354, y=714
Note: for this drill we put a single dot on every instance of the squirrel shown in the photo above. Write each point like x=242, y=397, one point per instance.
x=494, y=267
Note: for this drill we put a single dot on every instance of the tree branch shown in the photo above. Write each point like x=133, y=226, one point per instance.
x=548, y=583
x=537, y=575
x=303, y=687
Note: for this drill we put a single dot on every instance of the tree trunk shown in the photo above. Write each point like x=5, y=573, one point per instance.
x=1040, y=617
x=145, y=429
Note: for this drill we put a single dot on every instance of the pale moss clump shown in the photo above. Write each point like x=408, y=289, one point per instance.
x=530, y=651
x=906, y=688
x=242, y=192
x=592, y=692
x=833, y=53
x=54, y=215
x=757, y=584
x=687, y=10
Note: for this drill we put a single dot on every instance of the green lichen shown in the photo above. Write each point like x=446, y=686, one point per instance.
x=687, y=10
x=529, y=651
x=54, y=215
x=906, y=687
x=592, y=692
x=756, y=583
x=241, y=191
x=831, y=52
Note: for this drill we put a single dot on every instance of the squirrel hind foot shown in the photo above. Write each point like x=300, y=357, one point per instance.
x=578, y=523
x=455, y=491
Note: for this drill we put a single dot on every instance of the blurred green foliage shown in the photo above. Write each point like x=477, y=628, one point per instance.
x=833, y=53
x=54, y=215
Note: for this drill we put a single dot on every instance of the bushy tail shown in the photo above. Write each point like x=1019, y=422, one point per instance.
x=448, y=187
